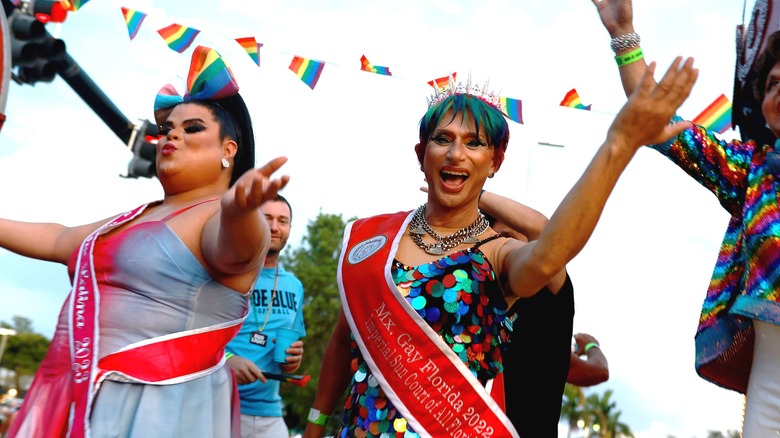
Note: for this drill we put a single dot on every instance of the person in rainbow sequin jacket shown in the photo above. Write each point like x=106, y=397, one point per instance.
x=738, y=337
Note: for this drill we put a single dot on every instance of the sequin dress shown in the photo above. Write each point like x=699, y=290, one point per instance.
x=745, y=283
x=459, y=297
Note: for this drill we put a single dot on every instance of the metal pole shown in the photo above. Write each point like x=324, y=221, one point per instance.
x=83, y=85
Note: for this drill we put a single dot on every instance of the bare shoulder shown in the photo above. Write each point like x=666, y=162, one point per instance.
x=497, y=249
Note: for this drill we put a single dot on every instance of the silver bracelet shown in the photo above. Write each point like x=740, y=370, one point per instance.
x=625, y=42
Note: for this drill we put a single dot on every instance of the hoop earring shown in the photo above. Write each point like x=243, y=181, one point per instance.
x=225, y=163
x=491, y=174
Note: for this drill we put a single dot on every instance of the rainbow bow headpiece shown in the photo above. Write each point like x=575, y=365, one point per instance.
x=209, y=78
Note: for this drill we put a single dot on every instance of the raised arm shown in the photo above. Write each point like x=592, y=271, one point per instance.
x=236, y=240
x=518, y=217
x=43, y=241
x=617, y=17
x=642, y=120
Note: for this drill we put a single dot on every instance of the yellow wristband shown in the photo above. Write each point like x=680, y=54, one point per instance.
x=630, y=57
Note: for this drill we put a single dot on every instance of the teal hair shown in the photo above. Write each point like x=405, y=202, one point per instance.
x=486, y=118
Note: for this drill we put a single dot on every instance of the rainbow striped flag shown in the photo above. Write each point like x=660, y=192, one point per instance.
x=133, y=19
x=252, y=48
x=366, y=66
x=73, y=5
x=514, y=109
x=717, y=116
x=308, y=70
x=178, y=37
x=442, y=82
x=572, y=100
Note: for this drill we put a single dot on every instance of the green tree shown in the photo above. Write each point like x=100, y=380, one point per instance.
x=314, y=263
x=572, y=406
x=617, y=428
x=597, y=413
x=602, y=417
x=24, y=351
x=598, y=409
x=22, y=324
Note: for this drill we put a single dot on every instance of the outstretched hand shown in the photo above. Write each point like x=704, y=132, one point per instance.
x=616, y=15
x=255, y=187
x=644, y=119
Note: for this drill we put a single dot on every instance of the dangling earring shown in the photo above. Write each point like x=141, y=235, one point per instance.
x=225, y=163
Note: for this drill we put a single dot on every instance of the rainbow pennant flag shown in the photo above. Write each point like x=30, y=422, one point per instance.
x=178, y=37
x=72, y=5
x=252, y=48
x=308, y=70
x=572, y=100
x=514, y=109
x=366, y=66
x=133, y=19
x=717, y=116
x=442, y=82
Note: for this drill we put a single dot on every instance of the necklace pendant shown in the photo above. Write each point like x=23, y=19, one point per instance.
x=417, y=230
x=258, y=338
x=471, y=239
x=435, y=249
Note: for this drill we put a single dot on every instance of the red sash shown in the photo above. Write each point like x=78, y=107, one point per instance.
x=426, y=381
x=83, y=305
x=165, y=360
x=170, y=359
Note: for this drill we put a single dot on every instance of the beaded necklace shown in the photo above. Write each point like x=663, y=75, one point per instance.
x=419, y=227
x=258, y=337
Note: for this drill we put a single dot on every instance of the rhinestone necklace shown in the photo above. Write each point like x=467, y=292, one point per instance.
x=419, y=227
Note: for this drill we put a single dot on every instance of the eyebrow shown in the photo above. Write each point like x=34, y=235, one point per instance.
x=469, y=135
x=185, y=122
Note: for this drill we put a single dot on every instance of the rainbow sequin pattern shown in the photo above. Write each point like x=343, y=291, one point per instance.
x=746, y=279
x=459, y=298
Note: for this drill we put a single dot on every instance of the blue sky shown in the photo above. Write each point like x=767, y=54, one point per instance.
x=638, y=284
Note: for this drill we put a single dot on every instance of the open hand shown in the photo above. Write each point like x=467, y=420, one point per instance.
x=616, y=16
x=255, y=187
x=644, y=119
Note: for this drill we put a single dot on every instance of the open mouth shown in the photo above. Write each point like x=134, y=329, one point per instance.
x=453, y=179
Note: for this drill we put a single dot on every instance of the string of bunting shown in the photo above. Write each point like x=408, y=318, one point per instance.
x=716, y=117
x=179, y=38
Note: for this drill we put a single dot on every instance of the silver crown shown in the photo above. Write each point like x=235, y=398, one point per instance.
x=452, y=88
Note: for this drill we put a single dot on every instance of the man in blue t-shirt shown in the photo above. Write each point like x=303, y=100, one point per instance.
x=276, y=302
